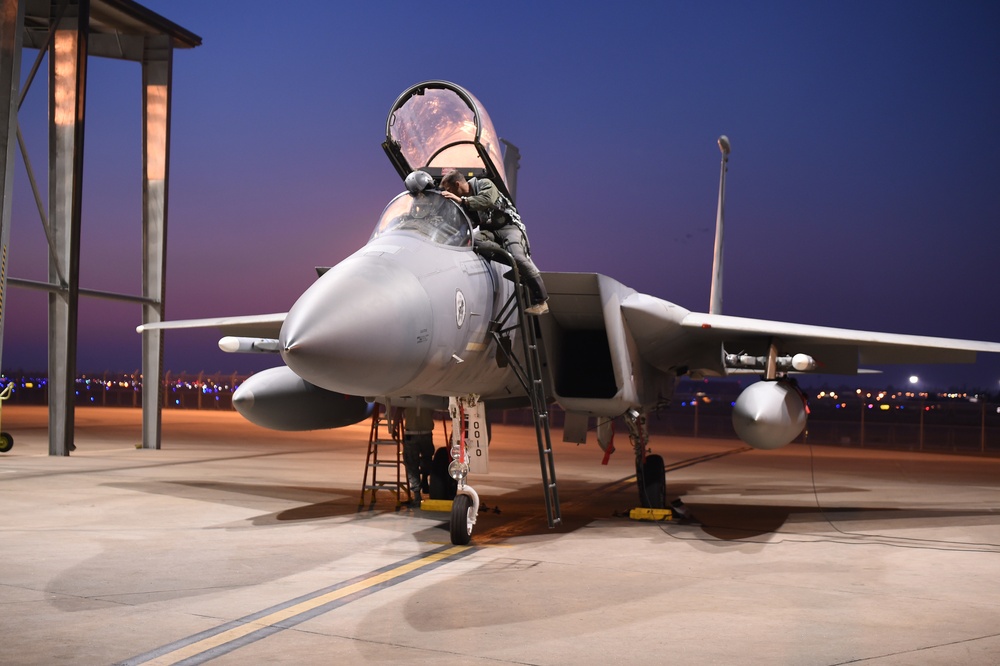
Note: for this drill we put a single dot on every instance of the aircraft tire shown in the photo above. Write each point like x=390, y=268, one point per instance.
x=6, y=442
x=461, y=526
x=653, y=489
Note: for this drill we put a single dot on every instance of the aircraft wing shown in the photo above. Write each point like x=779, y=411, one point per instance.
x=665, y=333
x=251, y=326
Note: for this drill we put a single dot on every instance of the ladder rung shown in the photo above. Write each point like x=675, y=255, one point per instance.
x=389, y=460
x=530, y=376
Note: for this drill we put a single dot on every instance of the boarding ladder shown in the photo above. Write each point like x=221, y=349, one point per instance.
x=385, y=460
x=528, y=371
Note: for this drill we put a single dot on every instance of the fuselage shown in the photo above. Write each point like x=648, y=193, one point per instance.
x=406, y=315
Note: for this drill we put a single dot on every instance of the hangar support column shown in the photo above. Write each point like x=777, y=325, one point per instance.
x=67, y=101
x=157, y=62
x=11, y=20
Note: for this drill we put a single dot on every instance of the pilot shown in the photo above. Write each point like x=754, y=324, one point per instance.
x=418, y=449
x=499, y=221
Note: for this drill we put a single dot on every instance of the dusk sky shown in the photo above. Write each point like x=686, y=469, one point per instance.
x=862, y=189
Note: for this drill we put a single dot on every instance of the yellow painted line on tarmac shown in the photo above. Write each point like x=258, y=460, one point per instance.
x=228, y=637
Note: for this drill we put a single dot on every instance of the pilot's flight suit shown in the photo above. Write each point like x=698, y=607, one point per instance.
x=499, y=221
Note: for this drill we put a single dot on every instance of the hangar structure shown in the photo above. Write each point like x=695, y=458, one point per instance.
x=69, y=32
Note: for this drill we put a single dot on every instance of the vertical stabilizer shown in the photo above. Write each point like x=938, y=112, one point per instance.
x=715, y=302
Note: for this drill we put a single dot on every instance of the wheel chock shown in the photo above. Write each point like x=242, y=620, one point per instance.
x=654, y=515
x=436, y=505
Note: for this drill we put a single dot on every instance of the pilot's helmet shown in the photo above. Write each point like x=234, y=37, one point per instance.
x=418, y=181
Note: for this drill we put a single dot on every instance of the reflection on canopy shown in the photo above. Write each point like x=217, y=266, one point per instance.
x=426, y=214
x=439, y=126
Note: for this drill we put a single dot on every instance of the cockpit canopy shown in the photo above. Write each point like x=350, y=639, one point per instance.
x=438, y=126
x=426, y=214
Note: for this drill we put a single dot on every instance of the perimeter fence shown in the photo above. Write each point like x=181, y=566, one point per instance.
x=941, y=422
x=932, y=422
x=180, y=391
x=953, y=423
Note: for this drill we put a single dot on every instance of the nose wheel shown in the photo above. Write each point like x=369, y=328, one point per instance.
x=463, y=518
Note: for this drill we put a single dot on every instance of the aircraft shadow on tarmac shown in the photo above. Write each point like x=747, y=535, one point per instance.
x=520, y=512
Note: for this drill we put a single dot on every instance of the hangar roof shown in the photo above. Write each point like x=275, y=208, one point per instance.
x=118, y=28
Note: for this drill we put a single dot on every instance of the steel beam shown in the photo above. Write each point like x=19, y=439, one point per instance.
x=157, y=66
x=67, y=101
x=11, y=22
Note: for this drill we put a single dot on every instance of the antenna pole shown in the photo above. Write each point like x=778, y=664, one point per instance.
x=715, y=304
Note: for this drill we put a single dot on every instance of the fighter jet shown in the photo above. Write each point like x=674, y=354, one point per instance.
x=425, y=315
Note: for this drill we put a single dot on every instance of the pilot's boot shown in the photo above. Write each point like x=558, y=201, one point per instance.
x=538, y=295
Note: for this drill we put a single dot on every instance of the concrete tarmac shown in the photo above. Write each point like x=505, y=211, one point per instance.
x=236, y=545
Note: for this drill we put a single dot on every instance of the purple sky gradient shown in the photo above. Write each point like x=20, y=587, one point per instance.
x=862, y=190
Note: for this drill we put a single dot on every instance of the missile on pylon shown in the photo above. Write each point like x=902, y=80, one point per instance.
x=235, y=345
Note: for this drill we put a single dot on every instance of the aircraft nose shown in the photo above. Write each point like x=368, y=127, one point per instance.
x=363, y=328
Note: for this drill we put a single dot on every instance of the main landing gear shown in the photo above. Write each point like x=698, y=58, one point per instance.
x=650, y=473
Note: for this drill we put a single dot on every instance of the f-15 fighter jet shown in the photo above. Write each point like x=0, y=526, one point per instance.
x=424, y=314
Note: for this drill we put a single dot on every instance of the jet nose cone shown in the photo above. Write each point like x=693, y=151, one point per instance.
x=363, y=328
